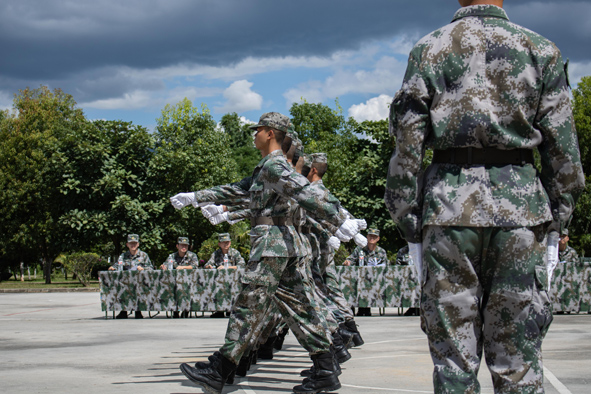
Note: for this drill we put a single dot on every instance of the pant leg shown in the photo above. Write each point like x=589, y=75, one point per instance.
x=450, y=306
x=517, y=310
x=334, y=292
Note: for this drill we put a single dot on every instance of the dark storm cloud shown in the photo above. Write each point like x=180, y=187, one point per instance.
x=80, y=44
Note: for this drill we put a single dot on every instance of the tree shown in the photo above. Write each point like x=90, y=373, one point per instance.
x=241, y=141
x=31, y=165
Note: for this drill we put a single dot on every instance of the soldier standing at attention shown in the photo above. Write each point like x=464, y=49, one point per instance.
x=483, y=93
x=133, y=259
x=273, y=276
x=226, y=256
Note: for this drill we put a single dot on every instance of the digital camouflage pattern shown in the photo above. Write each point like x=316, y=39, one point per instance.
x=274, y=120
x=234, y=259
x=129, y=262
x=524, y=85
x=215, y=290
x=569, y=289
x=189, y=258
x=365, y=257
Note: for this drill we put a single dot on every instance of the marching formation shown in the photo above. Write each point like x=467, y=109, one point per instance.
x=482, y=223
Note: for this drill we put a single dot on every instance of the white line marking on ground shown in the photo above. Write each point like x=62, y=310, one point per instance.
x=396, y=340
x=391, y=356
x=384, y=389
x=555, y=382
x=245, y=387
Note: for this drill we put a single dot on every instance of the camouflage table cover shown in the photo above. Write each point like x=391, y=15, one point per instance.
x=383, y=287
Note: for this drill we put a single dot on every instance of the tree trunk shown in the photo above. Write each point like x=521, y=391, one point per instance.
x=47, y=271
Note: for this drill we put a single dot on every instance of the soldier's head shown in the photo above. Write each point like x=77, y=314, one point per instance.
x=373, y=236
x=182, y=245
x=133, y=242
x=466, y=3
x=224, y=242
x=270, y=131
x=315, y=166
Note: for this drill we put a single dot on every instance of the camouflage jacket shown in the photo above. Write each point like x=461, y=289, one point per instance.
x=483, y=82
x=569, y=255
x=234, y=258
x=272, y=190
x=129, y=262
x=190, y=258
x=403, y=256
x=365, y=257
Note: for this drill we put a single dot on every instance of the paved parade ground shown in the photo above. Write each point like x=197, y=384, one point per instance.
x=62, y=343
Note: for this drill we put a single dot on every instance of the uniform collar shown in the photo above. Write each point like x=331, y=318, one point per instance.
x=488, y=10
x=271, y=155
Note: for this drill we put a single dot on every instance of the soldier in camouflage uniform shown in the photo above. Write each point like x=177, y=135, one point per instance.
x=225, y=256
x=371, y=256
x=273, y=276
x=183, y=258
x=483, y=93
x=133, y=259
x=570, y=285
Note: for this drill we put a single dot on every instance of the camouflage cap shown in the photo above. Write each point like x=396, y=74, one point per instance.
x=133, y=238
x=223, y=237
x=274, y=120
x=308, y=160
x=318, y=158
x=373, y=231
x=291, y=133
x=183, y=240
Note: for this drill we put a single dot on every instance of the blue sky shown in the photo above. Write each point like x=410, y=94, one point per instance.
x=128, y=59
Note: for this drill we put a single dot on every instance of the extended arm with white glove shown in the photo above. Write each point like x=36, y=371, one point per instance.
x=416, y=254
x=552, y=254
x=181, y=200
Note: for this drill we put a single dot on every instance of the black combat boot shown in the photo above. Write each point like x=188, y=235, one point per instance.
x=244, y=364
x=346, y=335
x=351, y=326
x=278, y=345
x=121, y=315
x=310, y=371
x=265, y=351
x=324, y=377
x=212, y=379
x=214, y=359
x=341, y=353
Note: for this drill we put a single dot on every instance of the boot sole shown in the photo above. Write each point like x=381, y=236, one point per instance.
x=322, y=390
x=205, y=386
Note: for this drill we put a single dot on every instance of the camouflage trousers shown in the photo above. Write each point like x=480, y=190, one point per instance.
x=282, y=283
x=485, y=290
x=333, y=291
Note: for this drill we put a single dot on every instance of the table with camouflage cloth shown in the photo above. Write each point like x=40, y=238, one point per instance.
x=383, y=287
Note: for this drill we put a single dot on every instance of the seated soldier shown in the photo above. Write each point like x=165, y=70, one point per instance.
x=371, y=256
x=132, y=260
x=182, y=259
x=225, y=257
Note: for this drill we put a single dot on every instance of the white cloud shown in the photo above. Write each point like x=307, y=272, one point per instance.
x=376, y=108
x=578, y=70
x=243, y=120
x=5, y=101
x=384, y=78
x=239, y=98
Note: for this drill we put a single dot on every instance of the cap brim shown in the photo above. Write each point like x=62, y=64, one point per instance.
x=254, y=127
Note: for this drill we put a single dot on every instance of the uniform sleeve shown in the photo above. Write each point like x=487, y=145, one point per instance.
x=241, y=214
x=239, y=259
x=288, y=183
x=211, y=260
x=230, y=194
x=562, y=173
x=410, y=122
x=147, y=264
x=354, y=257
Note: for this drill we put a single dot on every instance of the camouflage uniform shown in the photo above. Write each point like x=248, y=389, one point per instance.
x=274, y=273
x=234, y=258
x=365, y=257
x=190, y=258
x=570, y=284
x=403, y=257
x=482, y=82
x=129, y=262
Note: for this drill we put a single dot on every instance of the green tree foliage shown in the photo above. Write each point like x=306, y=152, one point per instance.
x=241, y=141
x=81, y=264
x=580, y=233
x=32, y=163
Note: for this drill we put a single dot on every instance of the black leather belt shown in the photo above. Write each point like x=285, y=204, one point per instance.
x=271, y=221
x=491, y=156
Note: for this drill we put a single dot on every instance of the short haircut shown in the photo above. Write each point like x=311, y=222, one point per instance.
x=321, y=168
x=306, y=171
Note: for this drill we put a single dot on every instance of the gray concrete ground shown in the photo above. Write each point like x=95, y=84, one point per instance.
x=62, y=343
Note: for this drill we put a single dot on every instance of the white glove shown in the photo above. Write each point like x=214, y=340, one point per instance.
x=232, y=222
x=347, y=230
x=552, y=255
x=217, y=219
x=360, y=240
x=361, y=224
x=416, y=254
x=334, y=243
x=181, y=200
x=204, y=204
x=212, y=210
